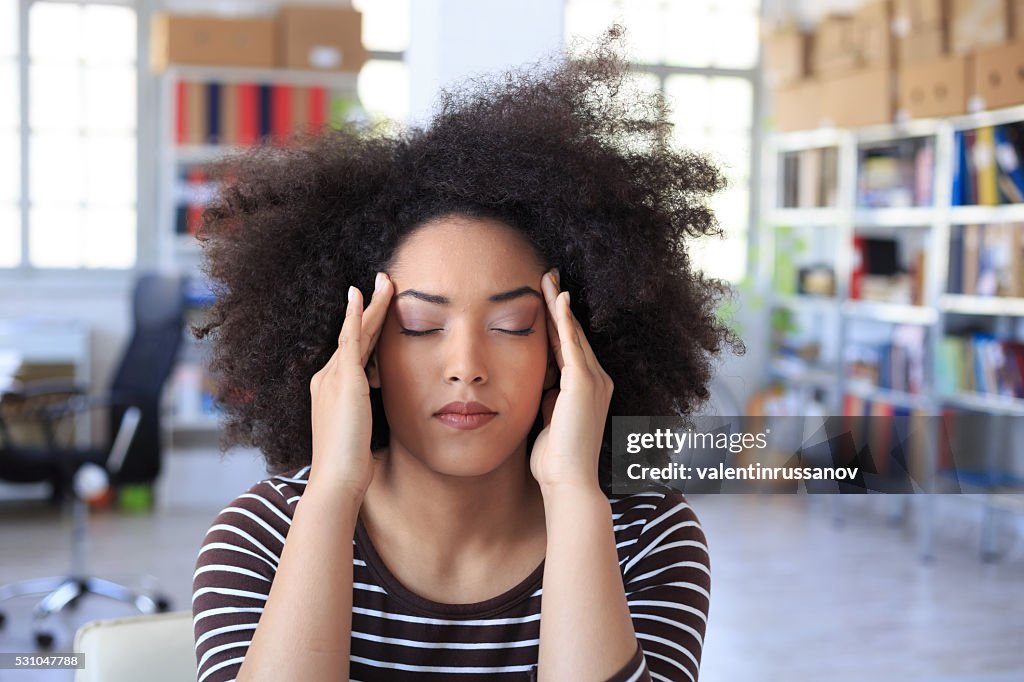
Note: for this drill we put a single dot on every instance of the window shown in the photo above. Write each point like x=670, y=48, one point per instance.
x=80, y=209
x=10, y=145
x=384, y=79
x=702, y=54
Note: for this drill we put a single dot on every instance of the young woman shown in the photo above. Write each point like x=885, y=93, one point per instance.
x=441, y=454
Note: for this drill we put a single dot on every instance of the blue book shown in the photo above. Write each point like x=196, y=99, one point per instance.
x=959, y=167
x=1011, y=180
x=265, y=122
x=213, y=113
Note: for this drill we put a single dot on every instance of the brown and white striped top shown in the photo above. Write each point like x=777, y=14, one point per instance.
x=398, y=635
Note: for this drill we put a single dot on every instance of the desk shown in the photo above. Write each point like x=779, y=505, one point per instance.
x=42, y=340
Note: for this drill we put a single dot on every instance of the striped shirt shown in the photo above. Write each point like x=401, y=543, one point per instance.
x=399, y=635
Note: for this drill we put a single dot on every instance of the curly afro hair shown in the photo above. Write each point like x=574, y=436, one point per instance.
x=563, y=151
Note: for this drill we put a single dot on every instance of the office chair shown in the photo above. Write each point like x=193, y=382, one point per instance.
x=131, y=455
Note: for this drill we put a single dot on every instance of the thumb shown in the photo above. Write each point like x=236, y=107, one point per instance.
x=547, y=404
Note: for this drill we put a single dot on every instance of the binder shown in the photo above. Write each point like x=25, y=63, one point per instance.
x=213, y=113
x=281, y=118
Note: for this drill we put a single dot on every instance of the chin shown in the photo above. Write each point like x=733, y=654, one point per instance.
x=465, y=457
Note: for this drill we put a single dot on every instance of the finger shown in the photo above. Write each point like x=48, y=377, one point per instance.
x=584, y=342
x=572, y=351
x=373, y=316
x=349, y=339
x=550, y=290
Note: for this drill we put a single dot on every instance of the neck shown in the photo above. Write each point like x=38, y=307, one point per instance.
x=451, y=518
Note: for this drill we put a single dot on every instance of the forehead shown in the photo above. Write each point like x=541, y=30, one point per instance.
x=459, y=245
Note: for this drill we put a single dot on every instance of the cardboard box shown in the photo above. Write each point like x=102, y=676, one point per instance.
x=859, y=98
x=1016, y=19
x=873, y=34
x=909, y=16
x=936, y=88
x=999, y=76
x=211, y=41
x=921, y=46
x=976, y=24
x=787, y=55
x=797, y=106
x=320, y=38
x=835, y=45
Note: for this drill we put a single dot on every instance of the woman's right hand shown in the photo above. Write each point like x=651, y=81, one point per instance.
x=341, y=416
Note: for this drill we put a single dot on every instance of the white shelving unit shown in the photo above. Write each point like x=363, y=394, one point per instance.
x=181, y=251
x=837, y=314
x=186, y=415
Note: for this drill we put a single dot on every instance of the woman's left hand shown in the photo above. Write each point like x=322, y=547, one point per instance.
x=566, y=451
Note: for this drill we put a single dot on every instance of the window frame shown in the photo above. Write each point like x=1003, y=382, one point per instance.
x=753, y=76
x=147, y=132
x=63, y=279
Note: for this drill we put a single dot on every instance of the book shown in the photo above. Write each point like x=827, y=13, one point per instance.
x=213, y=113
x=971, y=258
x=985, y=166
x=1011, y=177
x=954, y=282
x=248, y=113
x=229, y=113
x=265, y=124
x=281, y=116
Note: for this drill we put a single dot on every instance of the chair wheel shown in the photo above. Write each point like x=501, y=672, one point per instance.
x=162, y=605
x=44, y=640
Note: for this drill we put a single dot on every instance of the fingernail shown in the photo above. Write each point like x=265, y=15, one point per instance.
x=351, y=294
x=378, y=283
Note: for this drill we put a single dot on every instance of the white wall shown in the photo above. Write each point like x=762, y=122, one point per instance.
x=451, y=39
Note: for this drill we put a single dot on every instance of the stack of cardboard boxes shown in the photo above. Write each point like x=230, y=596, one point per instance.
x=898, y=59
x=312, y=37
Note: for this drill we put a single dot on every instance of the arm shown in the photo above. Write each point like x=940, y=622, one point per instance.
x=306, y=628
x=589, y=603
x=585, y=632
x=246, y=574
x=585, y=627
x=667, y=576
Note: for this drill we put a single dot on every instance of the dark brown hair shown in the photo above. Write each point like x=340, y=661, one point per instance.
x=561, y=151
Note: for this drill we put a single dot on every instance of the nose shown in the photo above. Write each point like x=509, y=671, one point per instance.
x=465, y=359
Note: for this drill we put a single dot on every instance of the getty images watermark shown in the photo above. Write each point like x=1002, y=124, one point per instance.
x=899, y=453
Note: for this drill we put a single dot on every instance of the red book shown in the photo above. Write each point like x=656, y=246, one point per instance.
x=857, y=267
x=881, y=432
x=317, y=108
x=194, y=215
x=281, y=102
x=180, y=109
x=248, y=112
x=946, y=436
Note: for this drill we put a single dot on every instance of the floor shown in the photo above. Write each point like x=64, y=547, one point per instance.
x=803, y=588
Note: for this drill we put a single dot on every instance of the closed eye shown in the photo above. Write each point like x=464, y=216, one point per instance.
x=516, y=332
x=413, y=332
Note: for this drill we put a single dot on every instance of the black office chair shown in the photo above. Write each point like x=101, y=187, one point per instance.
x=132, y=454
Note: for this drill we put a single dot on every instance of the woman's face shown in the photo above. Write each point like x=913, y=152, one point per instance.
x=466, y=323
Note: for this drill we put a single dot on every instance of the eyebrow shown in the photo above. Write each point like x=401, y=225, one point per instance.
x=496, y=298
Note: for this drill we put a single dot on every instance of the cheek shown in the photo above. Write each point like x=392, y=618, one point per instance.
x=528, y=365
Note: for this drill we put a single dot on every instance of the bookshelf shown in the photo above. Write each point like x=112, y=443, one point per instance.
x=866, y=339
x=204, y=114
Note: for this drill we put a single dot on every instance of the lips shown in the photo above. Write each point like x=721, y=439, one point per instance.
x=471, y=407
x=465, y=416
